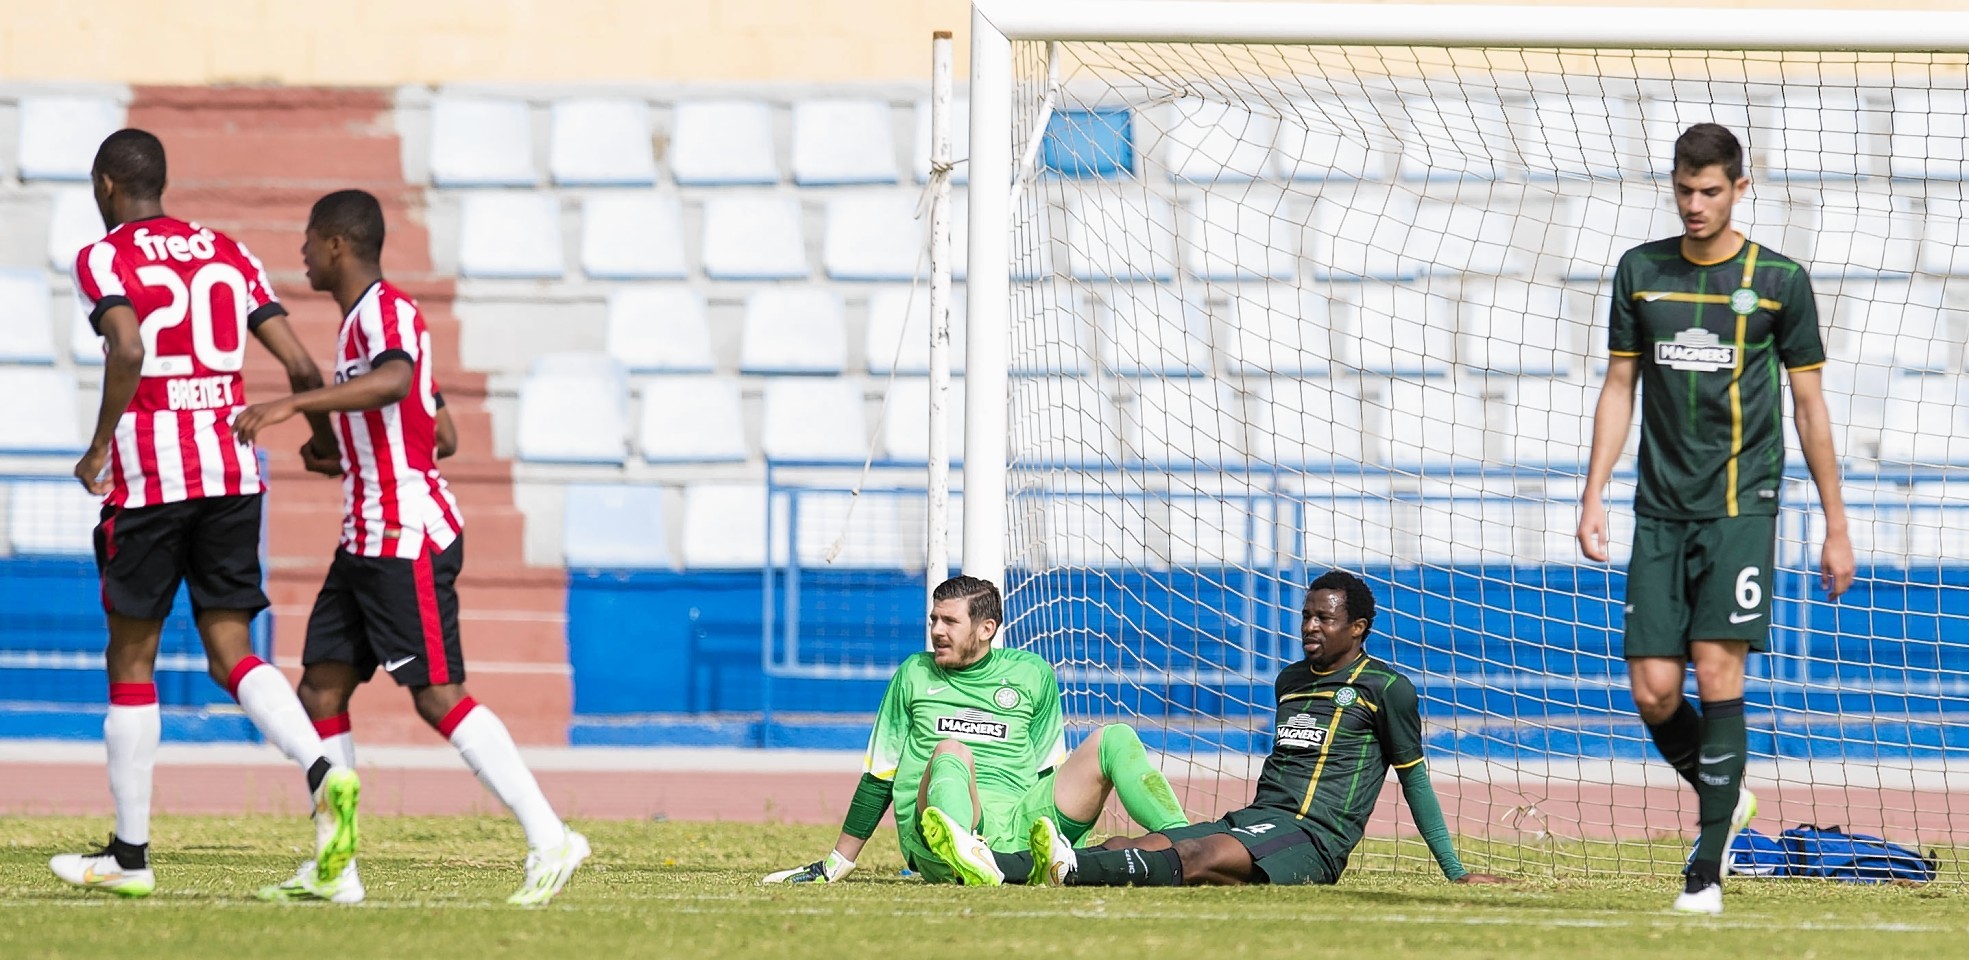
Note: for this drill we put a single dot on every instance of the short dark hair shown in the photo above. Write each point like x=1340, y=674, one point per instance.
x=133, y=160
x=353, y=215
x=1710, y=145
x=983, y=594
x=1360, y=598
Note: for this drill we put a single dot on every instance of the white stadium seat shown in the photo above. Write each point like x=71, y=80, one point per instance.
x=84, y=345
x=574, y=408
x=1584, y=137
x=793, y=330
x=1061, y=335
x=754, y=237
x=75, y=223
x=1455, y=136
x=814, y=418
x=843, y=141
x=901, y=315
x=1064, y=420
x=723, y=142
x=1364, y=238
x=1610, y=220
x=26, y=333
x=1094, y=531
x=47, y=419
x=52, y=518
x=660, y=329
x=601, y=142
x=1816, y=132
x=1864, y=232
x=633, y=236
x=1153, y=331
x=1930, y=134
x=1249, y=236
x=1120, y=236
x=1945, y=232
x=1206, y=141
x=1181, y=422
x=725, y=527
x=1353, y=532
x=1894, y=325
x=59, y=135
x=692, y=419
x=1927, y=422
x=1469, y=238
x=1340, y=138
x=481, y=142
x=960, y=140
x=1279, y=330
x=1207, y=530
x=1550, y=422
x=1519, y=327
x=615, y=527
x=874, y=237
x=1467, y=530
x=510, y=235
x=1392, y=328
x=1428, y=423
x=906, y=422
x=1305, y=425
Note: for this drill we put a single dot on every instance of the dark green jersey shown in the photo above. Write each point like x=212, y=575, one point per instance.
x=1337, y=736
x=1710, y=339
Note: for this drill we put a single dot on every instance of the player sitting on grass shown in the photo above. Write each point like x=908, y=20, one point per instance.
x=1344, y=718
x=969, y=740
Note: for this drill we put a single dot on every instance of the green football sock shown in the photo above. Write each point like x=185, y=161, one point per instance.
x=1126, y=868
x=950, y=789
x=1144, y=792
x=1719, y=779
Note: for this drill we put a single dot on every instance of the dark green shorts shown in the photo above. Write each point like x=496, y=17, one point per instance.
x=1699, y=580
x=1287, y=850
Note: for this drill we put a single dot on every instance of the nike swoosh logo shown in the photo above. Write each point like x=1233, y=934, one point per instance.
x=89, y=875
x=391, y=666
x=1744, y=617
x=1719, y=758
x=933, y=691
x=1652, y=296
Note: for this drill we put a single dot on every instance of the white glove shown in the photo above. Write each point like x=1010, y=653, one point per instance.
x=831, y=870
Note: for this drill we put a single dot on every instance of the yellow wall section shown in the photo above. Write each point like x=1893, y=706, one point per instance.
x=380, y=42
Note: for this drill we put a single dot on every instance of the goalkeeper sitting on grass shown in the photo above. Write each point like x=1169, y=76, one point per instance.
x=970, y=748
x=1344, y=719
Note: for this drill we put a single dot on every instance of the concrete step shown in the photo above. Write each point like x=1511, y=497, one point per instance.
x=537, y=707
x=488, y=584
x=300, y=528
x=492, y=636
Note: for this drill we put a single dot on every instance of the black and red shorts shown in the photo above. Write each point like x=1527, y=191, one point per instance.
x=401, y=615
x=210, y=544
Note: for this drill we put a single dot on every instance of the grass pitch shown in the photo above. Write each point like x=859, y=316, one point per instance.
x=437, y=885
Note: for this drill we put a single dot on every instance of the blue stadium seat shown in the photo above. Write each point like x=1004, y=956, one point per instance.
x=1398, y=329
x=1305, y=424
x=1519, y=327
x=1129, y=235
x=692, y=419
x=899, y=314
x=1278, y=329
x=793, y=330
x=1366, y=238
x=1065, y=420
x=615, y=527
x=52, y=393
x=906, y=422
x=59, y=135
x=814, y=418
x=1929, y=137
x=601, y=142
x=960, y=140
x=725, y=527
x=1153, y=331
x=633, y=236
x=481, y=142
x=754, y=237
x=574, y=408
x=1182, y=422
x=74, y=224
x=723, y=142
x=1205, y=141
x=1249, y=235
x=51, y=518
x=26, y=335
x=659, y=329
x=510, y=235
x=875, y=237
x=1098, y=143
x=843, y=141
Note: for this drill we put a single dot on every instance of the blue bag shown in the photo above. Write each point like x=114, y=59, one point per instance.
x=1833, y=854
x=1755, y=854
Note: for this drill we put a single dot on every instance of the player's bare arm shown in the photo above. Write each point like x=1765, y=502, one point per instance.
x=1612, y=417
x=123, y=366
x=386, y=384
x=277, y=335
x=1814, y=425
x=447, y=433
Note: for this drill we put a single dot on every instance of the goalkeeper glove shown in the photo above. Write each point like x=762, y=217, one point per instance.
x=831, y=870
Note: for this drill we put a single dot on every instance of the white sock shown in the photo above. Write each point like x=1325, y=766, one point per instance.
x=264, y=693
x=130, y=734
x=488, y=749
x=338, y=742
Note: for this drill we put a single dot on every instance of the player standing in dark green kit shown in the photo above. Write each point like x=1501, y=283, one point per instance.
x=1344, y=720
x=1707, y=321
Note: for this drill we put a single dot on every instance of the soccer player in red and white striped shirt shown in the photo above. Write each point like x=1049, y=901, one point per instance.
x=174, y=302
x=390, y=598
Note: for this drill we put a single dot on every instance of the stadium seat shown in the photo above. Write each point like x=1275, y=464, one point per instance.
x=1929, y=138
x=1305, y=425
x=1243, y=236
x=723, y=142
x=1149, y=331
x=1894, y=325
x=1551, y=422
x=615, y=527
x=875, y=237
x=1856, y=397
x=1467, y=531
x=692, y=419
x=481, y=142
x=756, y=237
x=1455, y=136
x=1391, y=328
x=843, y=141
x=875, y=531
x=906, y=422
x=510, y=236
x=814, y=418
x=633, y=236
x=1816, y=132
x=1927, y=421
x=1205, y=141
x=725, y=527
x=1338, y=138
x=1610, y=220
x=1428, y=423
x=1559, y=533
x=1944, y=246
x=601, y=143
x=1094, y=532
x=84, y=346
x=1060, y=341
x=960, y=140
x=1355, y=532
x=659, y=330
x=1208, y=529
x=1469, y=238
x=1519, y=327
x=574, y=408
x=1364, y=237
x=1279, y=330
x=1574, y=136
x=1666, y=115
x=1097, y=144
x=26, y=334
x=51, y=518
x=1937, y=528
x=1865, y=232
x=47, y=390
x=75, y=223
x=1182, y=422
x=900, y=315
x=59, y=135
x=793, y=330
x=1064, y=420
x=1126, y=235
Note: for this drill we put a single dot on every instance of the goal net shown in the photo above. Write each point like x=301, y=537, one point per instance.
x=1278, y=308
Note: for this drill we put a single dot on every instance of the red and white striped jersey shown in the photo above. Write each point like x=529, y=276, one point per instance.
x=393, y=498
x=196, y=294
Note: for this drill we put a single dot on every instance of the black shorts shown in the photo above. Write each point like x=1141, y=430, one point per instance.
x=211, y=544
x=401, y=615
x=1285, y=849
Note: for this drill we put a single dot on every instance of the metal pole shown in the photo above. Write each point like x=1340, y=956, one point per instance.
x=988, y=287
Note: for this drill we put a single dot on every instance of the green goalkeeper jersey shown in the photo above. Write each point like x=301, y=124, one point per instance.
x=1710, y=339
x=1005, y=708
